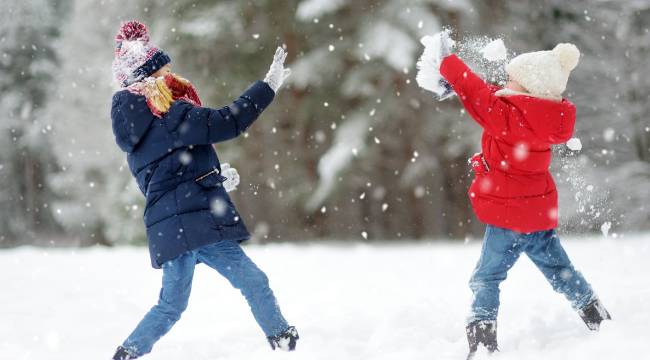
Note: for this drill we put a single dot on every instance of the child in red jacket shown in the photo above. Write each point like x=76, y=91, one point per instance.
x=513, y=191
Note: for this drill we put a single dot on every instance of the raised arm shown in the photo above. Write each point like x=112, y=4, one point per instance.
x=489, y=110
x=196, y=125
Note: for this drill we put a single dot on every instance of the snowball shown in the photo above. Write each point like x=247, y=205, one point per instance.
x=495, y=51
x=574, y=144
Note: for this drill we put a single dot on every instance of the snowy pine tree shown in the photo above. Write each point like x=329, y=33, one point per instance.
x=351, y=147
x=28, y=62
x=97, y=202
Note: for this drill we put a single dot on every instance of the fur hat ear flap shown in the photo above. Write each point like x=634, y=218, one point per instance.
x=568, y=55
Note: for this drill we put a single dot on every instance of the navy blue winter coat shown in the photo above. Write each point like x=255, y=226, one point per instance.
x=167, y=155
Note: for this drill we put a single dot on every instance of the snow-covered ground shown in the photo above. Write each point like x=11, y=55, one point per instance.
x=393, y=302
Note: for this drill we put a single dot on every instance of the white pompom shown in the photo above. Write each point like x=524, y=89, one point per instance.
x=568, y=54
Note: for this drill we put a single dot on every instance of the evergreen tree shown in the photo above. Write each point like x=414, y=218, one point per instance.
x=28, y=61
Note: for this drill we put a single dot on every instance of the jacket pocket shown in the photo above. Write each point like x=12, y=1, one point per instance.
x=221, y=207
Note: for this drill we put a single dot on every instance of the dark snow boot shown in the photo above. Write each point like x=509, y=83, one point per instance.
x=593, y=314
x=123, y=354
x=481, y=332
x=285, y=341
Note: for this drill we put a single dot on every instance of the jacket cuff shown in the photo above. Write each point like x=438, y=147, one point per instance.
x=260, y=94
x=452, y=68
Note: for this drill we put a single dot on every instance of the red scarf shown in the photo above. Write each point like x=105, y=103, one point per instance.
x=163, y=91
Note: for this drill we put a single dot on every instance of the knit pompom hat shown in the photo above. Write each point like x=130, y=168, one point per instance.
x=135, y=59
x=545, y=73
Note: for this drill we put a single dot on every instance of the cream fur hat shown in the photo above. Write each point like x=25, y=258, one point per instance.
x=545, y=73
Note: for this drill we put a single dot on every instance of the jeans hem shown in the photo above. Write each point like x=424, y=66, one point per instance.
x=278, y=333
x=132, y=350
x=474, y=318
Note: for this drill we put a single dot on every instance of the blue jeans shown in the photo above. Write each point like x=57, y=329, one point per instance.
x=228, y=258
x=501, y=249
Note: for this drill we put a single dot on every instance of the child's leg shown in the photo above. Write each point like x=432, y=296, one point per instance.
x=501, y=249
x=548, y=254
x=172, y=301
x=228, y=258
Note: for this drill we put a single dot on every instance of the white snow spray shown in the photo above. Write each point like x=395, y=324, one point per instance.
x=495, y=51
x=486, y=56
x=591, y=205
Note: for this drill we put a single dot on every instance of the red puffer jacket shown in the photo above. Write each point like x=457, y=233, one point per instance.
x=514, y=190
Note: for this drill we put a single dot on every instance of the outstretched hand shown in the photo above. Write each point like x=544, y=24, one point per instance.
x=277, y=73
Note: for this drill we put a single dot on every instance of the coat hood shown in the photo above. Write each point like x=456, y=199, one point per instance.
x=551, y=121
x=131, y=118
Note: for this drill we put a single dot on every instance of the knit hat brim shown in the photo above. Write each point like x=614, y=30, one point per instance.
x=155, y=63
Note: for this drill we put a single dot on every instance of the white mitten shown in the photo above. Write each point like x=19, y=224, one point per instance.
x=231, y=175
x=277, y=73
x=436, y=48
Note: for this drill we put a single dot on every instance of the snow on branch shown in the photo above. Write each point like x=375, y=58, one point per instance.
x=349, y=140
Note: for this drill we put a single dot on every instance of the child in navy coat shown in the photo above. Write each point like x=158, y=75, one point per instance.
x=158, y=121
